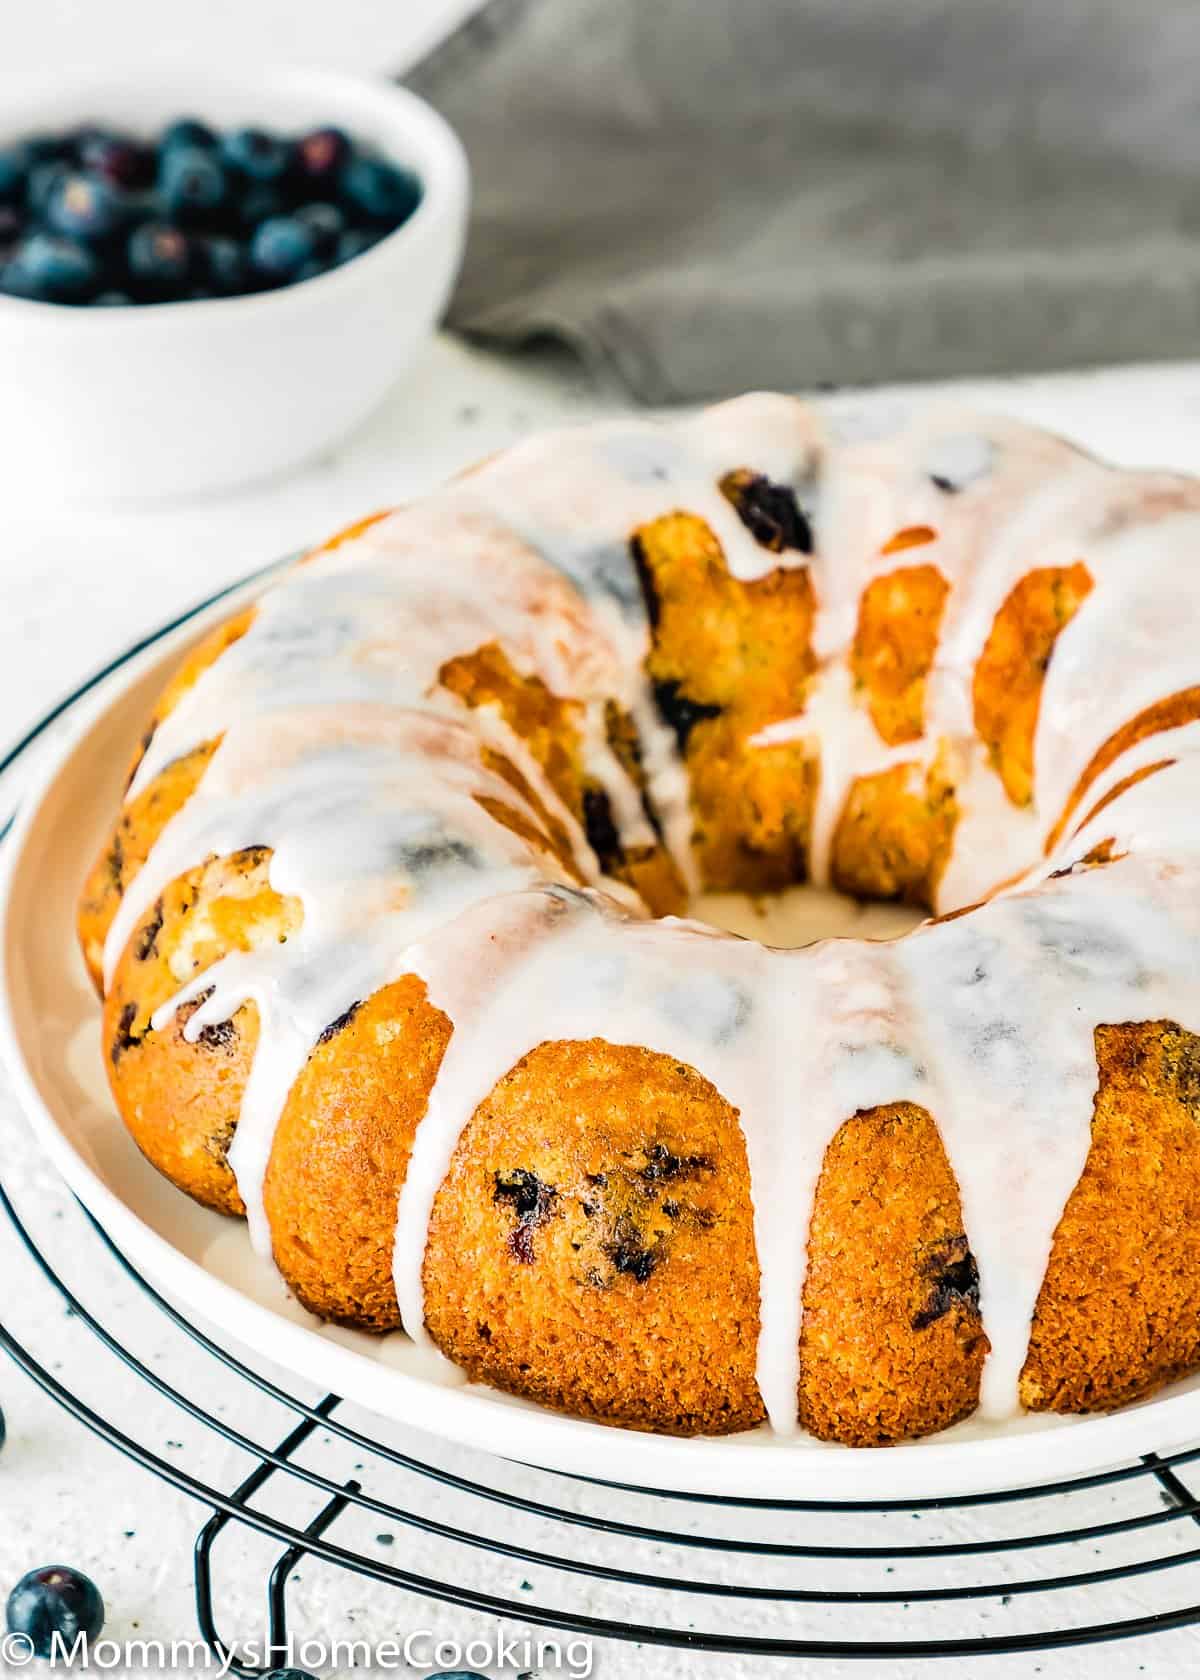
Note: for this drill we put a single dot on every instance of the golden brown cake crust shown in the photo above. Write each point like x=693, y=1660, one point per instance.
x=894, y=835
x=1119, y=1312
x=550, y=727
x=341, y=1152
x=591, y=1246
x=143, y=818
x=891, y=1343
x=181, y=1100
x=727, y=659
x=899, y=618
x=1012, y=668
x=139, y=825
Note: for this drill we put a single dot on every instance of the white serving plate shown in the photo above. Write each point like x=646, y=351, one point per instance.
x=48, y=1035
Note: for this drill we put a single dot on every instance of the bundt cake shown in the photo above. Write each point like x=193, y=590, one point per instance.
x=389, y=942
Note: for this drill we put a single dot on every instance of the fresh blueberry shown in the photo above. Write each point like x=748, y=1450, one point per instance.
x=159, y=260
x=320, y=156
x=192, y=182
x=93, y=214
x=280, y=248
x=353, y=243
x=379, y=191
x=258, y=203
x=13, y=164
x=289, y=1674
x=10, y=226
x=51, y=270
x=224, y=266
x=88, y=139
x=117, y=158
x=255, y=154
x=53, y=1600
x=48, y=148
x=40, y=183
x=187, y=131
x=84, y=207
x=78, y=137
x=327, y=224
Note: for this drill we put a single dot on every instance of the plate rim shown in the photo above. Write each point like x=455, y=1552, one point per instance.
x=750, y=1466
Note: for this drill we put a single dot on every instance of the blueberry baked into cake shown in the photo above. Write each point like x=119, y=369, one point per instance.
x=390, y=930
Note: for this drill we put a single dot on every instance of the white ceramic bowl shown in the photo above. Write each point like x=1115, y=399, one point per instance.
x=180, y=398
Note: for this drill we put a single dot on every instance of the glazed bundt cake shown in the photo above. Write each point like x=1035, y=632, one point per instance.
x=389, y=942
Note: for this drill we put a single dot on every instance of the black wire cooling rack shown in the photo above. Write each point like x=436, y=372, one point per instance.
x=984, y=1574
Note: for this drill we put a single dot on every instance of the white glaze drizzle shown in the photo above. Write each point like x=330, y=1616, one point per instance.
x=340, y=752
x=409, y=854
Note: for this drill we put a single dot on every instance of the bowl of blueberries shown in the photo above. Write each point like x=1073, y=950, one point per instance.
x=206, y=279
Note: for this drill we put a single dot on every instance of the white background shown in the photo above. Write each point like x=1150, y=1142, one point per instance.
x=77, y=586
x=382, y=35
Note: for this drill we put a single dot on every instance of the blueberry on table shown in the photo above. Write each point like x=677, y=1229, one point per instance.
x=187, y=131
x=159, y=259
x=255, y=154
x=54, y=1599
x=83, y=206
x=326, y=223
x=49, y=269
x=192, y=183
x=320, y=157
x=379, y=191
x=280, y=249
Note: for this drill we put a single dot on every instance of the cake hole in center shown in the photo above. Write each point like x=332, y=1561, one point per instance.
x=802, y=915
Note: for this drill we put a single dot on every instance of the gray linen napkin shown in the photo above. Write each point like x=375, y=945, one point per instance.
x=708, y=195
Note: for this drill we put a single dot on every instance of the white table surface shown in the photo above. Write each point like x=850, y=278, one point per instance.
x=76, y=586
x=362, y=35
